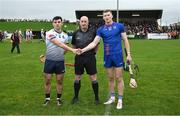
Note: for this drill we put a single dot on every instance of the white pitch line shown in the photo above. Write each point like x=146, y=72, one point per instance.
x=107, y=109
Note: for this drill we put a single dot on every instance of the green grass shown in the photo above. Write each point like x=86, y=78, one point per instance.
x=158, y=92
x=35, y=26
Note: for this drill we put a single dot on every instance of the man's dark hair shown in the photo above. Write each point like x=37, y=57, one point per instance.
x=57, y=18
x=107, y=10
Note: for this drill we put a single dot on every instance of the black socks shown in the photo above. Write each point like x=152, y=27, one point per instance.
x=95, y=87
x=77, y=86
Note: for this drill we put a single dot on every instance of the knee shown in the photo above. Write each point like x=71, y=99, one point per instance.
x=93, y=78
x=60, y=82
x=48, y=82
x=111, y=79
x=119, y=79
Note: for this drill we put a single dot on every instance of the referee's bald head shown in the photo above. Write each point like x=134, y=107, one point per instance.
x=84, y=18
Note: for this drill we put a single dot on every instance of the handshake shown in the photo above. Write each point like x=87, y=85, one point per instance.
x=78, y=51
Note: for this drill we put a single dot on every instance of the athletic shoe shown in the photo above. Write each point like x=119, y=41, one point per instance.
x=59, y=102
x=74, y=100
x=119, y=104
x=46, y=102
x=110, y=101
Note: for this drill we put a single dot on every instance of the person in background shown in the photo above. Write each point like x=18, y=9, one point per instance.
x=16, y=40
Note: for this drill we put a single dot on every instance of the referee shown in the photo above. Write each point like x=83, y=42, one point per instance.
x=81, y=38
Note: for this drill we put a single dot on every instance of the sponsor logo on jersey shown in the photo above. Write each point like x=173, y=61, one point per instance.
x=114, y=27
x=51, y=36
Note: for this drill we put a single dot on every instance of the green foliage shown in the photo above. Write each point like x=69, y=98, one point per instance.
x=22, y=82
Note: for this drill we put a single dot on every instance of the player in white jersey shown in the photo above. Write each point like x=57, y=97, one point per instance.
x=54, y=63
x=42, y=35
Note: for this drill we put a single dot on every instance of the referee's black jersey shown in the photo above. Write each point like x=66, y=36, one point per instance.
x=81, y=39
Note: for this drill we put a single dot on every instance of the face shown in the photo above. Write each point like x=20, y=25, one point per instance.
x=107, y=16
x=57, y=24
x=84, y=22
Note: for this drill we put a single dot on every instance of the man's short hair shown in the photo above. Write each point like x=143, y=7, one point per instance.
x=107, y=10
x=57, y=18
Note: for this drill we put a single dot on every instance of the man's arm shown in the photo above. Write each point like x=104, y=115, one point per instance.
x=12, y=38
x=92, y=45
x=62, y=45
x=127, y=46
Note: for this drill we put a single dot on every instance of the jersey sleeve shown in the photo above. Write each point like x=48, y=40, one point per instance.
x=50, y=36
x=99, y=32
x=73, y=42
x=121, y=27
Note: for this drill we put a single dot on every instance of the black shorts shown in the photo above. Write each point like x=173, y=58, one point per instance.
x=56, y=67
x=88, y=62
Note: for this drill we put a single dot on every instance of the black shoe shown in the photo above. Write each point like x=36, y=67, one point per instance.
x=74, y=100
x=46, y=102
x=59, y=102
x=97, y=102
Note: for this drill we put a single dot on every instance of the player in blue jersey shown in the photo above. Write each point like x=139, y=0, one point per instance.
x=112, y=34
x=54, y=63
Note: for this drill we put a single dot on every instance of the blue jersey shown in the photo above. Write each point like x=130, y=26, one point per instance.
x=111, y=35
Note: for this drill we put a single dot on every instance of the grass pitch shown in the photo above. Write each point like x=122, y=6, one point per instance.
x=158, y=92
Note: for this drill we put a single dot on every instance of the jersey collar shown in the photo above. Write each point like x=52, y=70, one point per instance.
x=57, y=31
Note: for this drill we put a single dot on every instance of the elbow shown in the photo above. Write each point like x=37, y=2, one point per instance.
x=93, y=45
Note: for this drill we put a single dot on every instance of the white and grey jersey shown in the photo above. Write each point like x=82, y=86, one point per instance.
x=54, y=52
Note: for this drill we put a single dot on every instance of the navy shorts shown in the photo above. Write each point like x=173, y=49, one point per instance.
x=56, y=67
x=115, y=60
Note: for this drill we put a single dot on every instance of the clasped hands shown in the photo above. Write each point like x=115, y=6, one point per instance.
x=78, y=51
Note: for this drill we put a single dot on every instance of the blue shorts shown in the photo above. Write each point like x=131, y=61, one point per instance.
x=115, y=60
x=56, y=67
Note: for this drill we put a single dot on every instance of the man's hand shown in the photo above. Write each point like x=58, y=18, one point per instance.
x=74, y=51
x=77, y=51
x=128, y=58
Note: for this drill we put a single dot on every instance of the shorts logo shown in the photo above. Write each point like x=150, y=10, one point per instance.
x=78, y=38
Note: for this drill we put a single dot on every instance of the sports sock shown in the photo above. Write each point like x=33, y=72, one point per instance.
x=95, y=87
x=47, y=96
x=58, y=96
x=112, y=94
x=120, y=96
x=77, y=86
